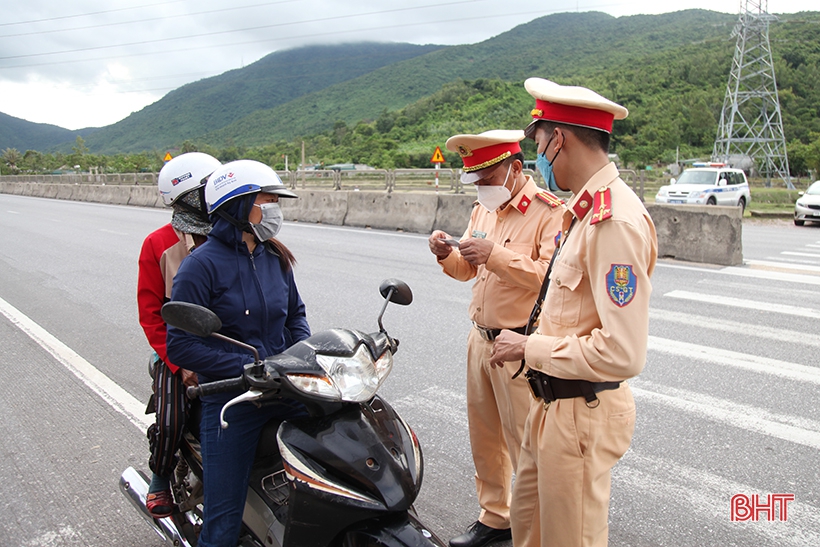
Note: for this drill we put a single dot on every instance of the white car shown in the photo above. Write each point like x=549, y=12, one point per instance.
x=807, y=207
x=713, y=185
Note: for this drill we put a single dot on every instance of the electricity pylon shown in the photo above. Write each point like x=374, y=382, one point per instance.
x=751, y=125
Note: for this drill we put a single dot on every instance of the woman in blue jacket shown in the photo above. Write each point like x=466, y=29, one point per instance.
x=245, y=276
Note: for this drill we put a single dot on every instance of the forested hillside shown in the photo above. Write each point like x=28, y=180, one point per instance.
x=389, y=105
x=23, y=135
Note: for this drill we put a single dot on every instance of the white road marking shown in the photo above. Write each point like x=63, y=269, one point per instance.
x=708, y=496
x=745, y=304
x=744, y=361
x=789, y=428
x=781, y=265
x=438, y=402
x=795, y=253
x=119, y=399
x=747, y=329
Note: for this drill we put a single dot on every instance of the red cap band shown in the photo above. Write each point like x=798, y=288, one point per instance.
x=489, y=155
x=573, y=115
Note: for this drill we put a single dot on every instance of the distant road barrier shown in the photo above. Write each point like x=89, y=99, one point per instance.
x=398, y=200
x=388, y=180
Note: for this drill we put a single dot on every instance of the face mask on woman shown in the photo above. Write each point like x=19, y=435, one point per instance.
x=493, y=197
x=271, y=221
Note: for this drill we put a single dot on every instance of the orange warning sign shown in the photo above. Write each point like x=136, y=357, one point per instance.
x=167, y=157
x=438, y=157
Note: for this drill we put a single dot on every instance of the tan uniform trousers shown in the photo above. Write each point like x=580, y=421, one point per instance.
x=497, y=408
x=561, y=495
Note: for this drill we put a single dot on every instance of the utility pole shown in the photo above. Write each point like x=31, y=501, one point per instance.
x=303, y=164
x=751, y=125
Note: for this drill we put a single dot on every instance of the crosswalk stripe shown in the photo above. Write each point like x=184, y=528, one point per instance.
x=745, y=304
x=794, y=429
x=707, y=496
x=735, y=327
x=781, y=265
x=745, y=361
x=795, y=253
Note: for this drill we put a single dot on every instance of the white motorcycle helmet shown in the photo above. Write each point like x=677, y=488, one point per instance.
x=239, y=178
x=183, y=174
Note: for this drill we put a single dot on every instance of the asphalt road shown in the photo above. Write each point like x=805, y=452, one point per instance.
x=726, y=403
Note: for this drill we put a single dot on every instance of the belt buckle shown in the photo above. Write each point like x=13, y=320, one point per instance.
x=485, y=333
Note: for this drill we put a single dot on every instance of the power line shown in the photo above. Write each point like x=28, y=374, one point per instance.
x=248, y=29
x=149, y=20
x=62, y=17
x=279, y=39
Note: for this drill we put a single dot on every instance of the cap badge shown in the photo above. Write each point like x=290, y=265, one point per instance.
x=464, y=152
x=537, y=113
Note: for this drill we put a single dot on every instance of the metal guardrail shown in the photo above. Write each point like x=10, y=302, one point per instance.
x=386, y=180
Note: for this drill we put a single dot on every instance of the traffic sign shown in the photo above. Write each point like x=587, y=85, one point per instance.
x=167, y=157
x=438, y=157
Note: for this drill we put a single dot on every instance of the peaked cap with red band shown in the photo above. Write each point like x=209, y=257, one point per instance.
x=571, y=105
x=484, y=150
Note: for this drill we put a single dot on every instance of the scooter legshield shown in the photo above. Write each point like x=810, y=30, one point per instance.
x=356, y=464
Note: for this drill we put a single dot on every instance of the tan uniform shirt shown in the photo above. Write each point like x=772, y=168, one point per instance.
x=172, y=257
x=507, y=285
x=595, y=321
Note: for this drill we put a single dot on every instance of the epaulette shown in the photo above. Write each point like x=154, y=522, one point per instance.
x=601, y=205
x=550, y=199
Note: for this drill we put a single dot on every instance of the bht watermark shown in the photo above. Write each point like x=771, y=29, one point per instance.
x=774, y=507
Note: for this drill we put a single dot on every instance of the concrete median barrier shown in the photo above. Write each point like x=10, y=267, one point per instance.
x=325, y=207
x=408, y=212
x=453, y=213
x=692, y=233
x=144, y=196
x=699, y=233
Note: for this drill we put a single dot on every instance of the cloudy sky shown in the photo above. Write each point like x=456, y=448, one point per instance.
x=86, y=63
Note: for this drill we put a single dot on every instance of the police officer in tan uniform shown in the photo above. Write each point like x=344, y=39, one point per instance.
x=506, y=248
x=593, y=329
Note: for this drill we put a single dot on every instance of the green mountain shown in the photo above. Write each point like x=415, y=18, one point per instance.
x=563, y=47
x=197, y=108
x=25, y=135
x=388, y=104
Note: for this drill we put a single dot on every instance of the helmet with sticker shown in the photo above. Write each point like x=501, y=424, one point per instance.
x=183, y=174
x=239, y=178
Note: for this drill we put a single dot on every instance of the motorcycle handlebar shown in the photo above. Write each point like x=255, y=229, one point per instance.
x=220, y=386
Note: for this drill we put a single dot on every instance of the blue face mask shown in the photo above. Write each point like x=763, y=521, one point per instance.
x=545, y=167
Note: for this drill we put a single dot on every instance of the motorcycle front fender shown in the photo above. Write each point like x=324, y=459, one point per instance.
x=398, y=531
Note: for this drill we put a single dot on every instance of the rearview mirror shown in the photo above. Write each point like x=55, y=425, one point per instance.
x=401, y=293
x=673, y=180
x=191, y=318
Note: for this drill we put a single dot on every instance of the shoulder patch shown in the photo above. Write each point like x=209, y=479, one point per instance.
x=550, y=199
x=621, y=284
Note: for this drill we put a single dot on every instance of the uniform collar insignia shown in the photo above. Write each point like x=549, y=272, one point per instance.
x=582, y=206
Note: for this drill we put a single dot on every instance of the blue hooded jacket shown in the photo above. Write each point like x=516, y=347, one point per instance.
x=254, y=297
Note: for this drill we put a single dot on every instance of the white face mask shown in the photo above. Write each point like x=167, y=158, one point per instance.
x=493, y=197
x=271, y=221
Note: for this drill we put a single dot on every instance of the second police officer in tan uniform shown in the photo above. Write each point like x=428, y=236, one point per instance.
x=593, y=329
x=506, y=248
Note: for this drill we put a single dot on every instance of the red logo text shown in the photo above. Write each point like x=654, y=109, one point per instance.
x=773, y=507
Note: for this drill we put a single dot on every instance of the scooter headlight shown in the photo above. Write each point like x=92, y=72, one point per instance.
x=352, y=379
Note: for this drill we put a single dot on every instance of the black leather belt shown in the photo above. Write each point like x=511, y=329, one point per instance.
x=549, y=388
x=491, y=334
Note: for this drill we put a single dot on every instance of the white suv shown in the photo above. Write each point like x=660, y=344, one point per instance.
x=712, y=185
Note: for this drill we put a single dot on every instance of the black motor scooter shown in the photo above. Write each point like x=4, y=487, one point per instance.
x=345, y=476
